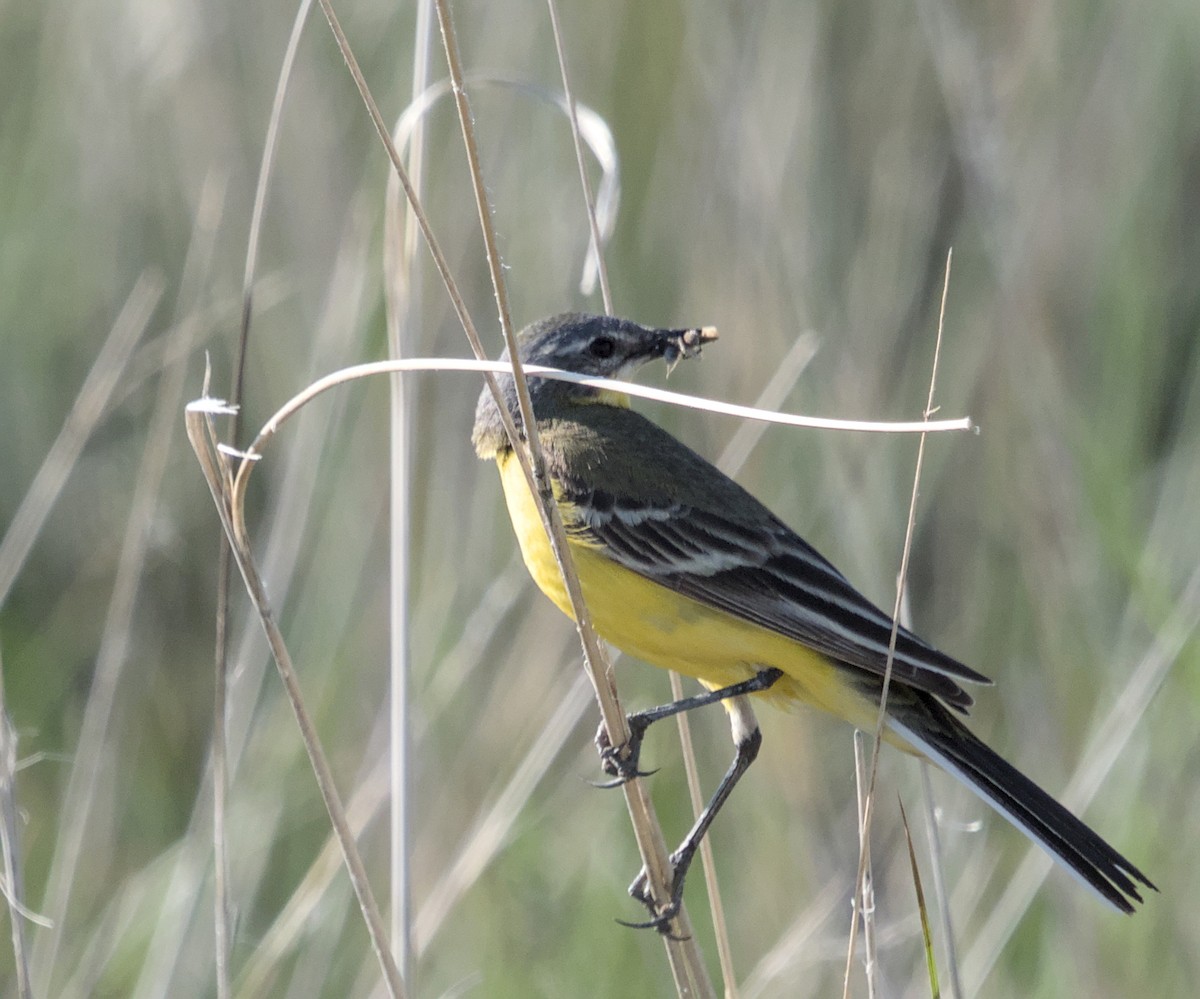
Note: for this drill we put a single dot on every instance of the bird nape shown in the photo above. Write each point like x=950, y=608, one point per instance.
x=684, y=569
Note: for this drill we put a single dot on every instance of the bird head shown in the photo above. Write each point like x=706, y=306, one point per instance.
x=601, y=346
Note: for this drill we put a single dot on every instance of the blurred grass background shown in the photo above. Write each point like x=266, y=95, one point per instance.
x=785, y=167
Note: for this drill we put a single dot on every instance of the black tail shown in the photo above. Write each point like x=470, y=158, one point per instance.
x=932, y=730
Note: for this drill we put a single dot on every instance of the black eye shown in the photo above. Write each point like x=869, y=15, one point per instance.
x=602, y=347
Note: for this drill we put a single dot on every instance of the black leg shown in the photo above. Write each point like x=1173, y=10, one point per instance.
x=681, y=859
x=622, y=761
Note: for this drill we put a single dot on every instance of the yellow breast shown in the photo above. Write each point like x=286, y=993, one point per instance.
x=664, y=628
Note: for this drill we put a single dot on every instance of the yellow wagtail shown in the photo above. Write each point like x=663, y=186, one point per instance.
x=684, y=569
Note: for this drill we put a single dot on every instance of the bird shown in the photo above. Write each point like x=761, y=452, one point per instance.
x=684, y=569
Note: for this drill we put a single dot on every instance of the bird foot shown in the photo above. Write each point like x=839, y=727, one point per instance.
x=621, y=762
x=661, y=915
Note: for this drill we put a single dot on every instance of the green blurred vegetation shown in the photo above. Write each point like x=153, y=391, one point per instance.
x=785, y=167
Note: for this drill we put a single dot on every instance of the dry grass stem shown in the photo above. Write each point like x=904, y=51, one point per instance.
x=865, y=889
x=597, y=243
x=926, y=931
x=332, y=380
x=222, y=936
x=86, y=412
x=887, y=674
x=204, y=443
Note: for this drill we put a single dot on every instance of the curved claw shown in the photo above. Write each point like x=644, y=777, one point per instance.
x=621, y=762
x=623, y=778
x=622, y=767
x=660, y=924
x=659, y=918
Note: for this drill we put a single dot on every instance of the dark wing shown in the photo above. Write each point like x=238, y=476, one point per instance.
x=713, y=542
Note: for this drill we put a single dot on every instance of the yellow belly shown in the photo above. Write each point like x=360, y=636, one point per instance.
x=666, y=629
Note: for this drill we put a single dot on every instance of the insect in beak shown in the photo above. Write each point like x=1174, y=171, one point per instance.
x=686, y=343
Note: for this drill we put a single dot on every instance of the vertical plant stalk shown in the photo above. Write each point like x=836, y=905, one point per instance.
x=686, y=963
x=229, y=500
x=589, y=198
x=222, y=937
x=868, y=807
x=403, y=307
x=691, y=976
x=687, y=748
x=724, y=950
x=865, y=894
x=940, y=892
x=926, y=930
